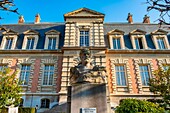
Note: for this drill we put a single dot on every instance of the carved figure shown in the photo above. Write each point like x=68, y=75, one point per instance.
x=86, y=71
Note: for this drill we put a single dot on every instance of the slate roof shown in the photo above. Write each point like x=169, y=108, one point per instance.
x=41, y=28
x=125, y=27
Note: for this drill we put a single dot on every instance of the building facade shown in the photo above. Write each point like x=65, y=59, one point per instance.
x=44, y=52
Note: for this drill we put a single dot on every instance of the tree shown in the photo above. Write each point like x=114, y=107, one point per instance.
x=162, y=6
x=138, y=106
x=9, y=88
x=160, y=85
x=7, y=5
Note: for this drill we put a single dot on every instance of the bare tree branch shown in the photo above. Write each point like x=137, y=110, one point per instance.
x=7, y=5
x=162, y=6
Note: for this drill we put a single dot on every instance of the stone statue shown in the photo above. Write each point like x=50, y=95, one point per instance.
x=86, y=71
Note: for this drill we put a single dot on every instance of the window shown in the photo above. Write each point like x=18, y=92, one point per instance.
x=24, y=75
x=138, y=43
x=30, y=43
x=45, y=103
x=48, y=75
x=8, y=43
x=120, y=75
x=161, y=44
x=145, y=75
x=166, y=67
x=52, y=43
x=116, y=43
x=2, y=67
x=84, y=38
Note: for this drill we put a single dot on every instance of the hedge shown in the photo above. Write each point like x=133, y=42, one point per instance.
x=20, y=110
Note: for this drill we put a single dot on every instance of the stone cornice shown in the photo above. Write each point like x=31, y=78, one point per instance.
x=30, y=51
x=79, y=48
x=132, y=51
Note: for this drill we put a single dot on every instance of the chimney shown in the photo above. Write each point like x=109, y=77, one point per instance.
x=21, y=20
x=129, y=18
x=146, y=19
x=37, y=19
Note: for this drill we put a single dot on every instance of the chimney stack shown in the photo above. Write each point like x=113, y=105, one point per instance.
x=129, y=18
x=21, y=20
x=146, y=19
x=37, y=19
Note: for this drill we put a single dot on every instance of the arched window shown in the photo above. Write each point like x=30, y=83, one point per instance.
x=45, y=103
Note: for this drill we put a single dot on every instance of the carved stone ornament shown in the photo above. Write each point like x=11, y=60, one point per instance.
x=86, y=71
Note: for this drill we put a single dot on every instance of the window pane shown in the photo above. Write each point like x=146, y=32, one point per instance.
x=48, y=75
x=24, y=75
x=8, y=43
x=144, y=73
x=52, y=43
x=116, y=43
x=30, y=43
x=161, y=44
x=120, y=75
x=84, y=38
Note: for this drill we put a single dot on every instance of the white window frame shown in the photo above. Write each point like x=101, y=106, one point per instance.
x=48, y=75
x=26, y=37
x=116, y=36
x=165, y=39
x=25, y=74
x=143, y=39
x=32, y=41
x=119, y=71
x=84, y=37
x=47, y=41
x=149, y=74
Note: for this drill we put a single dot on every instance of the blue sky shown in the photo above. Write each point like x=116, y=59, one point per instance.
x=53, y=10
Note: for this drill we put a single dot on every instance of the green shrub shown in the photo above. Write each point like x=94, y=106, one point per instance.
x=138, y=106
x=26, y=110
x=4, y=110
x=20, y=110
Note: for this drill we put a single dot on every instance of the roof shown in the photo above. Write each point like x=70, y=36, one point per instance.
x=126, y=28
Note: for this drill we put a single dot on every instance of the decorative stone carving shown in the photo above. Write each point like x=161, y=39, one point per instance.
x=86, y=71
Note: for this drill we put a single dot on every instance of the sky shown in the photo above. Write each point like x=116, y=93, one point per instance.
x=53, y=10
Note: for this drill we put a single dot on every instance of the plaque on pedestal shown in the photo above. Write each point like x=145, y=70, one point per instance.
x=88, y=110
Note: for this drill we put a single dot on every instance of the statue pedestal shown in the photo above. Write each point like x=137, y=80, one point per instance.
x=90, y=96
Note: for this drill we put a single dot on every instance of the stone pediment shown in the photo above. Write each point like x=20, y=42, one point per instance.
x=116, y=32
x=159, y=32
x=31, y=32
x=137, y=32
x=84, y=12
x=52, y=32
x=9, y=32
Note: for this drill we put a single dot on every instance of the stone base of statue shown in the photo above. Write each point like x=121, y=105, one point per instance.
x=88, y=98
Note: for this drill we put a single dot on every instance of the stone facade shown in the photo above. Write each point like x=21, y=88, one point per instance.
x=122, y=48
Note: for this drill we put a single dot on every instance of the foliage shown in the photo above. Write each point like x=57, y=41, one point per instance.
x=162, y=6
x=160, y=85
x=6, y=5
x=138, y=106
x=26, y=110
x=20, y=110
x=9, y=89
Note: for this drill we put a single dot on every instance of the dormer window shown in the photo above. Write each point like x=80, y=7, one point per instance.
x=160, y=39
x=138, y=43
x=52, y=40
x=30, y=43
x=138, y=39
x=116, y=39
x=8, y=44
x=116, y=43
x=52, y=43
x=30, y=39
x=161, y=44
x=84, y=38
x=9, y=40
